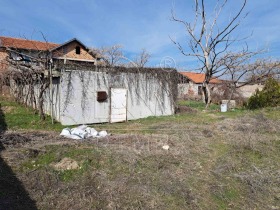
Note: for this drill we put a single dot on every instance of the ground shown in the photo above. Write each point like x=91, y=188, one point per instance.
x=214, y=161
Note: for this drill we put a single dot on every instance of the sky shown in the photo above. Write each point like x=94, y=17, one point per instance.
x=136, y=25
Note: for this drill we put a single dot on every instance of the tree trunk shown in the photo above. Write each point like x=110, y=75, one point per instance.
x=208, y=75
x=232, y=87
x=206, y=95
x=33, y=99
x=44, y=86
x=41, y=111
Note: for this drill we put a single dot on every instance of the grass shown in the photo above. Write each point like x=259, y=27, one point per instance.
x=20, y=117
x=198, y=105
x=215, y=161
x=224, y=197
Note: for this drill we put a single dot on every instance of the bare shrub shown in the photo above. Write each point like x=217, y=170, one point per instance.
x=224, y=92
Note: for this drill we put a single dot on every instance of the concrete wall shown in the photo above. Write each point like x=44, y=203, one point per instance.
x=147, y=96
x=248, y=90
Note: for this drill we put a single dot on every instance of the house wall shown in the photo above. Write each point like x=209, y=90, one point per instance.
x=69, y=51
x=147, y=96
x=188, y=90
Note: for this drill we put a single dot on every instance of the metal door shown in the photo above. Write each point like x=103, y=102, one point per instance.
x=118, y=105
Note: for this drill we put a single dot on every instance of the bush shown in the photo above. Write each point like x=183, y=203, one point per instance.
x=268, y=97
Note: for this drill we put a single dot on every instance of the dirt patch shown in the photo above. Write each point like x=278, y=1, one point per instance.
x=66, y=164
x=33, y=139
x=13, y=140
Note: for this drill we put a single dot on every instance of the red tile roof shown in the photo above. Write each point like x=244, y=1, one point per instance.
x=198, y=77
x=18, y=43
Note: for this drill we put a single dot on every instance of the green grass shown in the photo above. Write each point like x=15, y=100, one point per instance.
x=199, y=105
x=224, y=197
x=16, y=116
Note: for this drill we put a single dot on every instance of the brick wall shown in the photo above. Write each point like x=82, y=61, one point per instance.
x=69, y=51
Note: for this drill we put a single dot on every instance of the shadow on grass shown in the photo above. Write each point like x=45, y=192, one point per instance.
x=12, y=192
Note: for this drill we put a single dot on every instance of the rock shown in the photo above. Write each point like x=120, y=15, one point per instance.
x=165, y=147
x=207, y=133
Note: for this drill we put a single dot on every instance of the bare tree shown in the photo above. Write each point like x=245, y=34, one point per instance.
x=142, y=59
x=240, y=71
x=209, y=42
x=111, y=55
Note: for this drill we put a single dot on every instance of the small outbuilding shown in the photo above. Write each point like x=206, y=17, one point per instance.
x=85, y=94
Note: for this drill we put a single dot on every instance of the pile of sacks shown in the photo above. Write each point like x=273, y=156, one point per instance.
x=82, y=132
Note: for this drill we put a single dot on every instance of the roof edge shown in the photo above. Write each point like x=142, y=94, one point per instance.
x=71, y=40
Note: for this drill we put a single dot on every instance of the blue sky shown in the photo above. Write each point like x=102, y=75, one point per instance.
x=135, y=24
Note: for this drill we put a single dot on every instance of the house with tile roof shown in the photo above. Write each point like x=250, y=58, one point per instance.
x=198, y=78
x=190, y=84
x=27, y=50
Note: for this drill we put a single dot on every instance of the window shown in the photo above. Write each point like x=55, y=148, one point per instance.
x=78, y=50
x=101, y=96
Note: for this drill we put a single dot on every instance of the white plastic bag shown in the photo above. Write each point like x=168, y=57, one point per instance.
x=82, y=132
x=102, y=134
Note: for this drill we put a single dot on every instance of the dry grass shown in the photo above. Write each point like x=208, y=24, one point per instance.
x=231, y=163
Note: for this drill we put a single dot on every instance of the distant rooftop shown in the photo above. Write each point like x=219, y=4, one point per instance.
x=19, y=43
x=199, y=77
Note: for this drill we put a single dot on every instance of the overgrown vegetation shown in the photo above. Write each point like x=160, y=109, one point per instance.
x=215, y=161
x=268, y=97
x=227, y=92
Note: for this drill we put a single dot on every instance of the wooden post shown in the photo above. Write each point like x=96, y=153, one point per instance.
x=51, y=91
